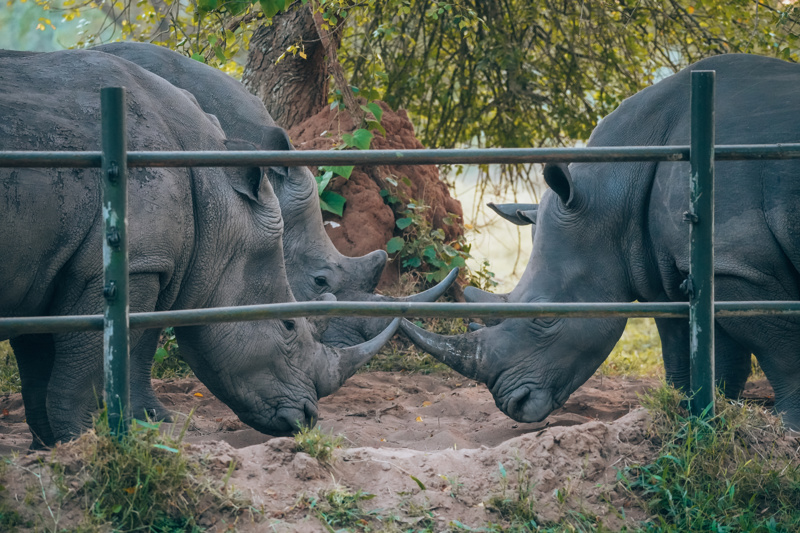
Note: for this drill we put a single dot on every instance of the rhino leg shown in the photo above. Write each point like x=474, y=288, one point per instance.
x=143, y=398
x=775, y=343
x=732, y=363
x=35, y=355
x=731, y=359
x=76, y=383
x=674, y=333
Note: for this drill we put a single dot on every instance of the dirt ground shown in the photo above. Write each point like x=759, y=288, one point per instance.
x=445, y=431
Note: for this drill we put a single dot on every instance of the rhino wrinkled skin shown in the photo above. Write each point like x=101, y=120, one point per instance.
x=200, y=237
x=614, y=232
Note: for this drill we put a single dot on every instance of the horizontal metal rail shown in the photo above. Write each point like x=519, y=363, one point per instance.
x=192, y=317
x=399, y=157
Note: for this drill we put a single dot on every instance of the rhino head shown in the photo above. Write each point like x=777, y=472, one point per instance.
x=271, y=373
x=531, y=366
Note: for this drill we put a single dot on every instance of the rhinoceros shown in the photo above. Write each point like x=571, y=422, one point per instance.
x=315, y=266
x=614, y=232
x=200, y=237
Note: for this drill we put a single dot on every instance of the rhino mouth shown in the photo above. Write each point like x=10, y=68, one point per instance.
x=527, y=404
x=286, y=421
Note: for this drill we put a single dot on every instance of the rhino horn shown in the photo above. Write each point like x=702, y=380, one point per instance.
x=344, y=362
x=432, y=294
x=372, y=265
x=462, y=353
x=476, y=295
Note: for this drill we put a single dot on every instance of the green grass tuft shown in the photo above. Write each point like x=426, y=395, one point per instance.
x=9, y=374
x=318, y=444
x=144, y=480
x=340, y=509
x=732, y=472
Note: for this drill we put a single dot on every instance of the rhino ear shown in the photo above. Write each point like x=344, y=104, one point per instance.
x=248, y=181
x=529, y=216
x=274, y=138
x=511, y=212
x=558, y=178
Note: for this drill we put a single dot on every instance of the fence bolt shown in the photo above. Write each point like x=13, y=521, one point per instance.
x=113, y=172
x=110, y=291
x=687, y=287
x=113, y=237
x=690, y=217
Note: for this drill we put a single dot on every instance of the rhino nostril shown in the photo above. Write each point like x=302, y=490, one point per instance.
x=526, y=405
x=311, y=414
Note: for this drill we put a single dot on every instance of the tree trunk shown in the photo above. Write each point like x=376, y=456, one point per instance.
x=295, y=88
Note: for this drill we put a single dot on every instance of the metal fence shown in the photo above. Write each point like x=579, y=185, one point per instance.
x=116, y=322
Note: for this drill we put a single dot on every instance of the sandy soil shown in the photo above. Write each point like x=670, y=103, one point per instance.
x=444, y=431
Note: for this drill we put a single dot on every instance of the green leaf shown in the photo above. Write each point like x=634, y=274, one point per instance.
x=160, y=355
x=413, y=262
x=429, y=252
x=198, y=57
x=458, y=261
x=395, y=244
x=450, y=251
x=502, y=470
x=376, y=110
x=117, y=508
x=358, y=139
x=418, y=482
x=332, y=202
x=322, y=181
x=220, y=54
x=237, y=8
x=205, y=6
x=371, y=124
x=341, y=171
x=403, y=223
x=272, y=7
x=145, y=424
x=164, y=447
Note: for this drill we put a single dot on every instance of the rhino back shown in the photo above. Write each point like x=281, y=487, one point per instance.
x=756, y=217
x=51, y=218
x=241, y=114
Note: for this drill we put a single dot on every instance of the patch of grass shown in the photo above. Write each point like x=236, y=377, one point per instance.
x=10, y=518
x=731, y=472
x=168, y=363
x=144, y=481
x=638, y=352
x=400, y=355
x=340, y=508
x=515, y=506
x=318, y=444
x=9, y=374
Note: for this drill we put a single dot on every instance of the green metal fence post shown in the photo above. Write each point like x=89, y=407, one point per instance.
x=116, y=329
x=700, y=284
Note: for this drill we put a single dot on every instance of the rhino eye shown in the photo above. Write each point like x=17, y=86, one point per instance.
x=288, y=324
x=321, y=281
